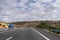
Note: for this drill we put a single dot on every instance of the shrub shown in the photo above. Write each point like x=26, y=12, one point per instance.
x=43, y=25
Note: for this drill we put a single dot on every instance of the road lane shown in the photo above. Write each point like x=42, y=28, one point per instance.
x=9, y=38
x=51, y=36
x=5, y=35
x=22, y=34
x=40, y=34
x=26, y=34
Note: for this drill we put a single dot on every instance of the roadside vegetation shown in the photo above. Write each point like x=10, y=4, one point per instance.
x=43, y=25
x=53, y=27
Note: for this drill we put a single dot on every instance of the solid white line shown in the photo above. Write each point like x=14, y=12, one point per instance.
x=9, y=38
x=41, y=34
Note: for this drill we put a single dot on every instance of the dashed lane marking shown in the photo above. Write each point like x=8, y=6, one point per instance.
x=9, y=38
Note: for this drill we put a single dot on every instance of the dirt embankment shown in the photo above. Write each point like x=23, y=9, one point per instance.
x=35, y=23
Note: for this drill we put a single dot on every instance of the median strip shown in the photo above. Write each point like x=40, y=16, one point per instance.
x=10, y=30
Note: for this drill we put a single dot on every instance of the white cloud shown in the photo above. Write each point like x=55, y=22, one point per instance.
x=5, y=19
x=40, y=10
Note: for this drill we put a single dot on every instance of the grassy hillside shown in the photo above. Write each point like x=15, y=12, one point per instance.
x=39, y=24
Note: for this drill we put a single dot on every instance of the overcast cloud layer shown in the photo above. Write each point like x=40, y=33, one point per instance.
x=29, y=10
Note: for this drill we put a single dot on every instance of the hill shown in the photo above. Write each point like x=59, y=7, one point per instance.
x=36, y=23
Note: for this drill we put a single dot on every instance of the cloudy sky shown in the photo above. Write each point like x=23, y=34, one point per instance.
x=29, y=10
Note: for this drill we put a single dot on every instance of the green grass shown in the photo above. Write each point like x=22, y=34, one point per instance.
x=42, y=25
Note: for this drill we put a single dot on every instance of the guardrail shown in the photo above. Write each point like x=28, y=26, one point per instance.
x=55, y=31
x=3, y=29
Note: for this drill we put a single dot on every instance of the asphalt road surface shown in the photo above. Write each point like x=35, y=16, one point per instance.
x=28, y=34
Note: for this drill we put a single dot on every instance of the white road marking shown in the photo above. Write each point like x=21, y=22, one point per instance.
x=22, y=30
x=41, y=34
x=9, y=38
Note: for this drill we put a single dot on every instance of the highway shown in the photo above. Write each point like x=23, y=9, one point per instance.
x=28, y=34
